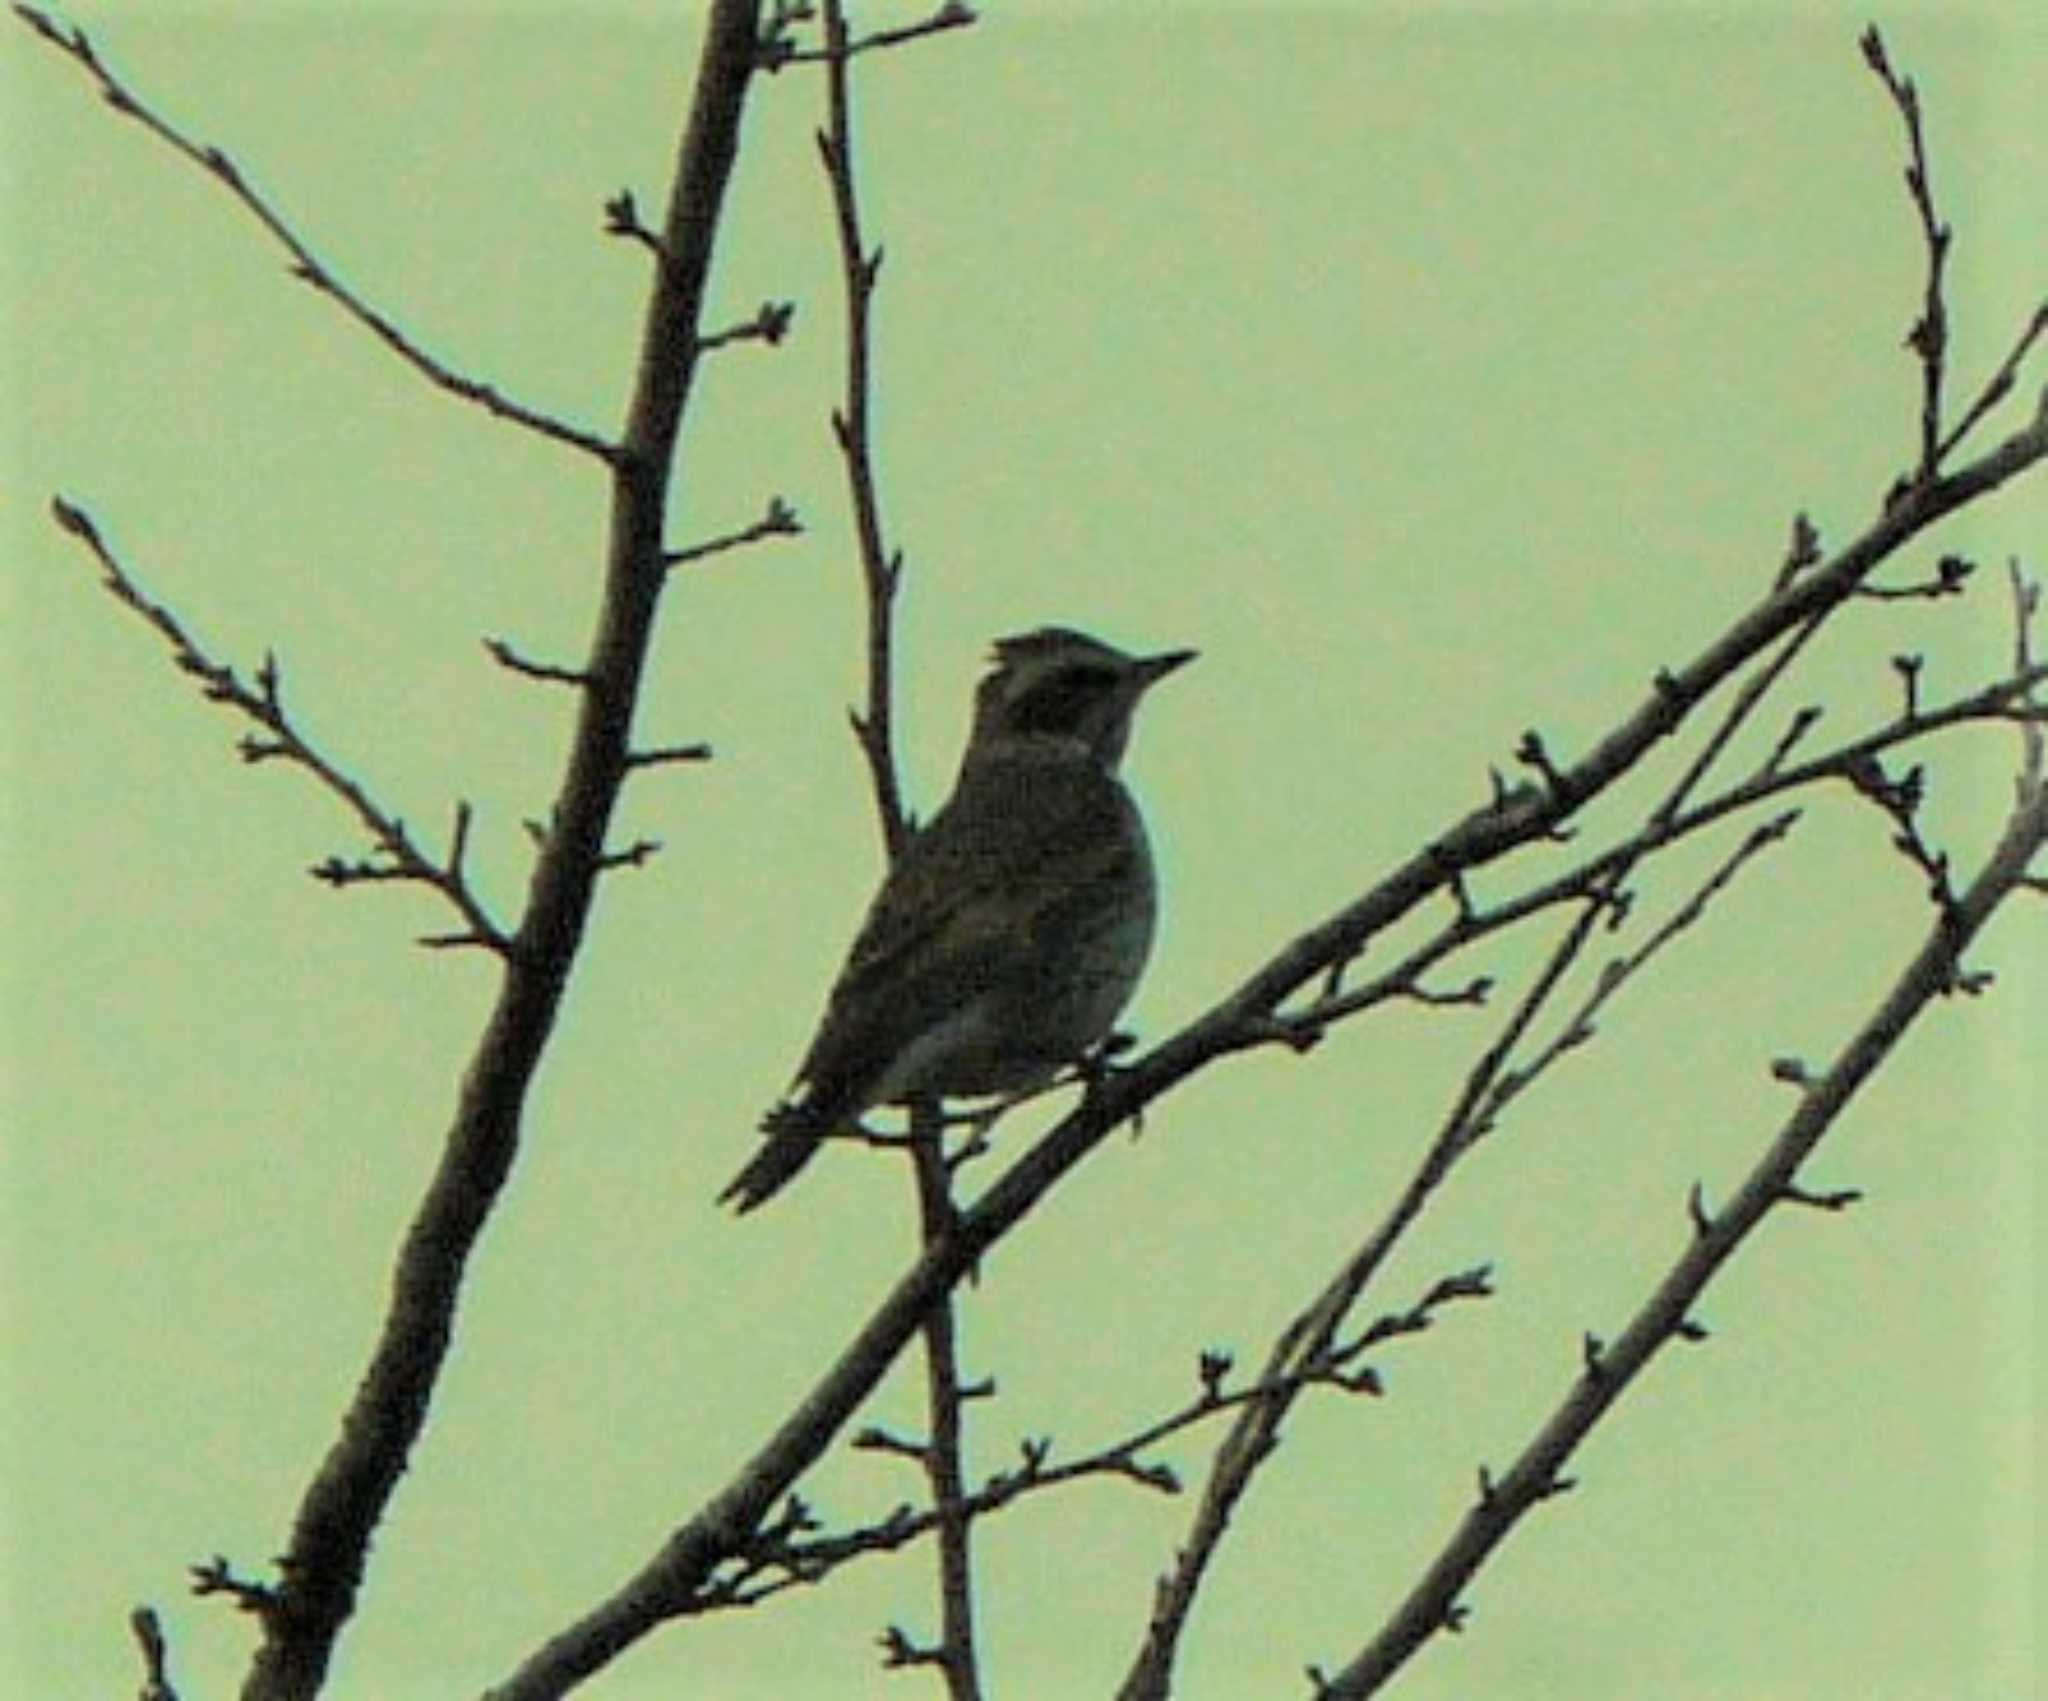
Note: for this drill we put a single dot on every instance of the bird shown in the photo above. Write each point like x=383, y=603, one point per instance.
x=1011, y=930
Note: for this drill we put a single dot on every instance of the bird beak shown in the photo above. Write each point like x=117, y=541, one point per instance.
x=1152, y=669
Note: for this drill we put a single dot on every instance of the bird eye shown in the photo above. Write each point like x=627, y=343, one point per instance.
x=1086, y=677
x=1064, y=699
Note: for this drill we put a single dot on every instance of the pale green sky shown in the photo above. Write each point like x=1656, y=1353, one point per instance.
x=1437, y=373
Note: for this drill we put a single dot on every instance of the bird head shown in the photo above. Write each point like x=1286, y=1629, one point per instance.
x=1056, y=683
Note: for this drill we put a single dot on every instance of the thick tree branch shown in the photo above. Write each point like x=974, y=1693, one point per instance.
x=323, y=1565
x=669, y=1582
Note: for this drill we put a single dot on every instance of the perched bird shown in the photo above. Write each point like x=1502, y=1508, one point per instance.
x=1012, y=930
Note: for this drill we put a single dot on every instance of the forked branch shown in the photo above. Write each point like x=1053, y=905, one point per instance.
x=1609, y=1369
x=398, y=856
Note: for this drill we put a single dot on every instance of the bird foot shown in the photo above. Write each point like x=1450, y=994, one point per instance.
x=1094, y=1067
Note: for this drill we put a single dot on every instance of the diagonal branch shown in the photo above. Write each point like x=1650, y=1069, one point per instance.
x=1999, y=385
x=789, y=1554
x=778, y=519
x=2003, y=700
x=283, y=741
x=1310, y=1336
x=306, y=266
x=671, y=1578
x=1667, y=1314
x=323, y=1566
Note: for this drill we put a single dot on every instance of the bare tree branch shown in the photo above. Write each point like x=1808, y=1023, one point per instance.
x=263, y=703
x=1598, y=887
x=306, y=265
x=955, y=1654
x=778, y=520
x=1928, y=339
x=2002, y=700
x=322, y=1567
x=510, y=659
x=790, y=1554
x=1667, y=1314
x=149, y=1637
x=1999, y=385
x=779, y=51
x=670, y=1581
x=881, y=568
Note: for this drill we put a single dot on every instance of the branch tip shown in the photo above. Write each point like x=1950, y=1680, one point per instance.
x=1839, y=1199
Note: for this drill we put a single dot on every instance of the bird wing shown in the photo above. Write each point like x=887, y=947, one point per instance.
x=1020, y=841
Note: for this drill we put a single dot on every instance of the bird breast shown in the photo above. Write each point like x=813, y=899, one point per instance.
x=1066, y=893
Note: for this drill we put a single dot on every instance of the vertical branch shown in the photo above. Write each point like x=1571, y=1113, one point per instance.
x=874, y=728
x=1928, y=338
x=324, y=1564
x=880, y=569
x=944, y=1397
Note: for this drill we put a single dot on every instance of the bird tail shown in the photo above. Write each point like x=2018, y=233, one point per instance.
x=792, y=1141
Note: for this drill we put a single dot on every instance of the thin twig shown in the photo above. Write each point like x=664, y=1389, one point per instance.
x=952, y=14
x=149, y=1637
x=635, y=855
x=622, y=218
x=779, y=519
x=1999, y=385
x=789, y=1554
x=1740, y=711
x=1578, y=1027
x=2004, y=700
x=1928, y=338
x=262, y=701
x=1951, y=578
x=306, y=265
x=2026, y=606
x=770, y=324
x=1309, y=1338
x=881, y=569
x=502, y=652
x=666, y=754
